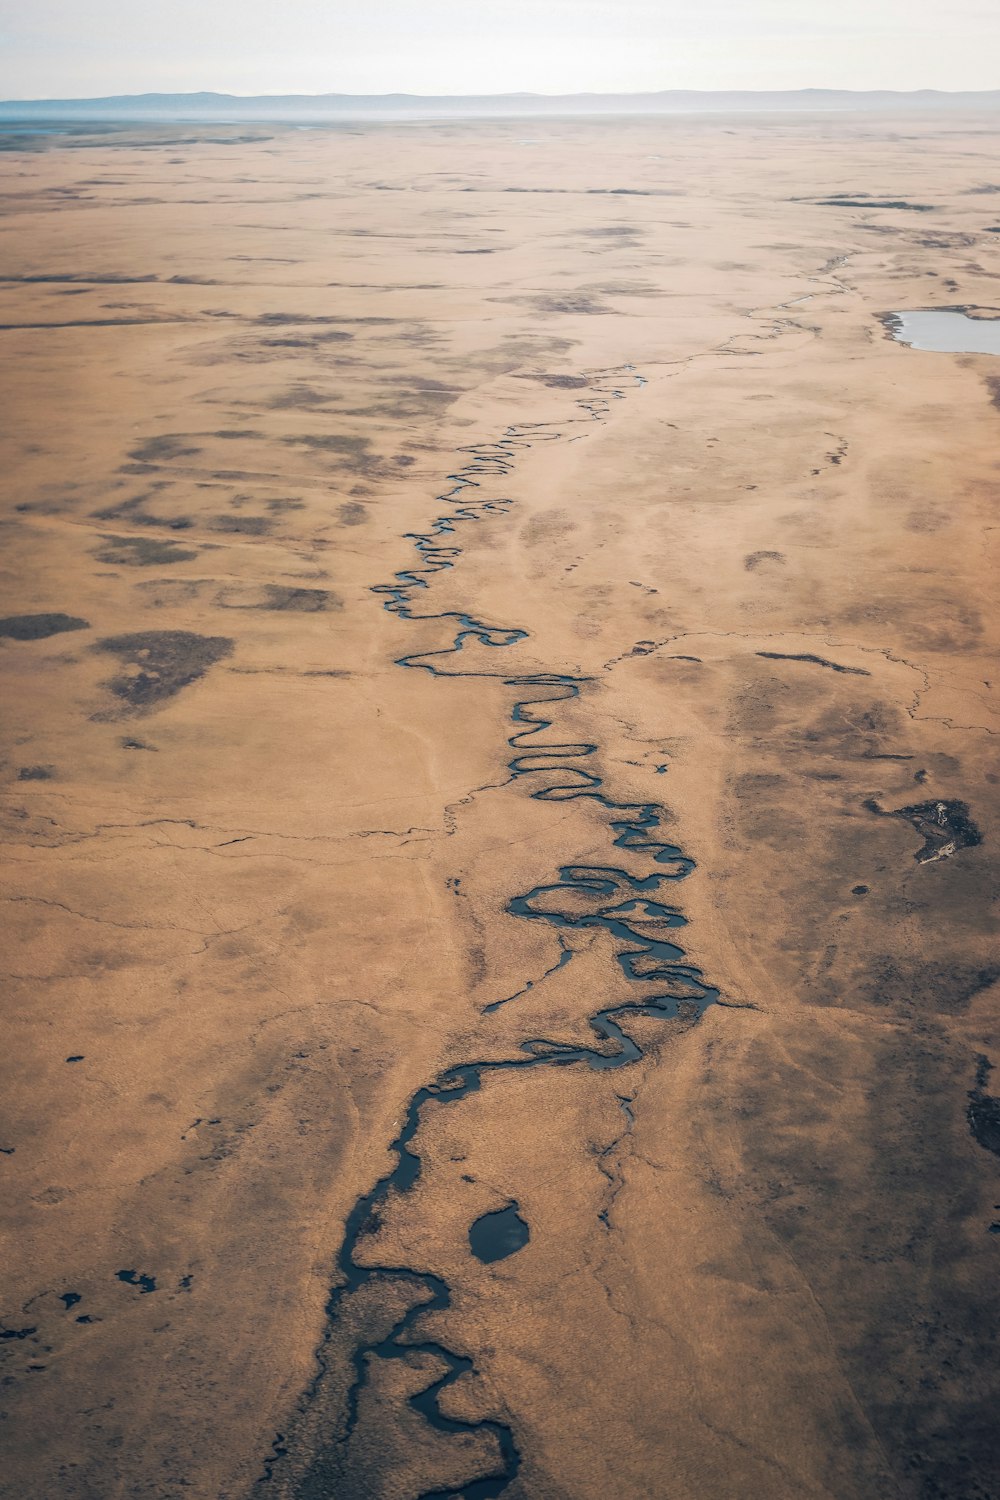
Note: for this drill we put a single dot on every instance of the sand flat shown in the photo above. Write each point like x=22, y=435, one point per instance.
x=739, y=548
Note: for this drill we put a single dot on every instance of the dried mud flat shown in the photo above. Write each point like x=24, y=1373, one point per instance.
x=500, y=814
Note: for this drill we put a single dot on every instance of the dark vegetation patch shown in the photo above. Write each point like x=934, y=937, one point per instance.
x=132, y=511
x=280, y=319
x=241, y=525
x=993, y=386
x=611, y=232
x=586, y=306
x=38, y=627
x=818, y=661
x=132, y=744
x=159, y=449
x=312, y=341
x=298, y=397
x=160, y=662
x=560, y=382
x=273, y=596
x=862, y=202
x=551, y=303
x=909, y=985
x=753, y=560
x=109, y=278
x=353, y=447
x=36, y=773
x=352, y=514
x=947, y=241
x=983, y=1113
x=944, y=826
x=141, y=552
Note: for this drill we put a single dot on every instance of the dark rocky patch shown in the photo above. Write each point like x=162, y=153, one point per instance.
x=141, y=552
x=945, y=826
x=36, y=773
x=162, y=662
x=39, y=627
x=753, y=560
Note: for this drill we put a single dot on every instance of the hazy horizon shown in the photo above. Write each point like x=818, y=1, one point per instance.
x=59, y=50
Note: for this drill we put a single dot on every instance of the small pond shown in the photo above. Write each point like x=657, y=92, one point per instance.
x=947, y=330
x=497, y=1235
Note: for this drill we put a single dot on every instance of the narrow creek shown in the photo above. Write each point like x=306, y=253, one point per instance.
x=630, y=907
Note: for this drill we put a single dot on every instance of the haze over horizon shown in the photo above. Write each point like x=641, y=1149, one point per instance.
x=60, y=50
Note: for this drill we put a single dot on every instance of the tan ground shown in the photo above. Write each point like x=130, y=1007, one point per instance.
x=264, y=908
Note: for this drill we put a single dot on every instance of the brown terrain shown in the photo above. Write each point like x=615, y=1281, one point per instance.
x=263, y=884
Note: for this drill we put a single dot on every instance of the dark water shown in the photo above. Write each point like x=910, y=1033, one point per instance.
x=628, y=906
x=946, y=331
x=499, y=1234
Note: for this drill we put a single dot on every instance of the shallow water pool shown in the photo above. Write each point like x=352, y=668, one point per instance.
x=946, y=331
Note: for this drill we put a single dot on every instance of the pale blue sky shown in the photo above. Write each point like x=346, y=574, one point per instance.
x=66, y=48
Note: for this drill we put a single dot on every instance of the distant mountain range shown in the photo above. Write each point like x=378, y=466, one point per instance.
x=316, y=108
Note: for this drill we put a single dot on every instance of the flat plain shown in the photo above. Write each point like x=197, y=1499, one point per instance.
x=499, y=658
